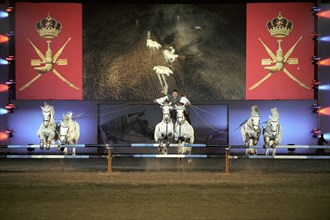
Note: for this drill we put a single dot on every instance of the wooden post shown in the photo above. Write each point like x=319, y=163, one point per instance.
x=109, y=160
x=227, y=161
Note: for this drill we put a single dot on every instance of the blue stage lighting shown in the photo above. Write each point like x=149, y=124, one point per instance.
x=3, y=62
x=3, y=111
x=3, y=14
x=324, y=87
x=326, y=136
x=325, y=38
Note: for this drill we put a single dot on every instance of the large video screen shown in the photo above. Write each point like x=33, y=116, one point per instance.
x=139, y=52
x=135, y=52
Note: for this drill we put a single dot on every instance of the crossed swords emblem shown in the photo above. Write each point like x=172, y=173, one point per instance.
x=49, y=60
x=280, y=60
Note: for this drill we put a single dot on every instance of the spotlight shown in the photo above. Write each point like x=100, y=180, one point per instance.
x=3, y=62
x=10, y=82
x=316, y=132
x=315, y=35
x=316, y=108
x=325, y=14
x=316, y=10
x=10, y=132
x=4, y=87
x=324, y=87
x=3, y=14
x=9, y=9
x=3, y=38
x=291, y=149
x=325, y=111
x=30, y=149
x=325, y=62
x=10, y=108
x=325, y=38
x=3, y=111
x=10, y=58
x=315, y=59
x=10, y=33
x=315, y=84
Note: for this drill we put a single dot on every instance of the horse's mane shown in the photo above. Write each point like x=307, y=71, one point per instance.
x=49, y=108
x=275, y=114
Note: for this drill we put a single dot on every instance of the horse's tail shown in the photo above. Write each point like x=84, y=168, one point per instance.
x=279, y=135
x=39, y=134
x=76, y=132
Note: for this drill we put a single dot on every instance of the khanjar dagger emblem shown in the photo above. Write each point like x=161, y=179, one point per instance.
x=279, y=27
x=48, y=28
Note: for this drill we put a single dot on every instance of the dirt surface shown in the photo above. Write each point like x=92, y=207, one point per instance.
x=164, y=189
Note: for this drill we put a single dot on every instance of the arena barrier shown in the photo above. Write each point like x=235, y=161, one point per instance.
x=111, y=154
x=290, y=157
x=53, y=156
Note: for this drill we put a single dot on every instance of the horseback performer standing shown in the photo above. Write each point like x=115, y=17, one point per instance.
x=175, y=99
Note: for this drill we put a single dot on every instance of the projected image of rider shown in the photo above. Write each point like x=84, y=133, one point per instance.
x=175, y=99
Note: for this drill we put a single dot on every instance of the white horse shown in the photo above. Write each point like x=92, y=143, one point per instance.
x=251, y=131
x=164, y=130
x=161, y=71
x=183, y=131
x=69, y=132
x=47, y=129
x=153, y=45
x=169, y=55
x=272, y=132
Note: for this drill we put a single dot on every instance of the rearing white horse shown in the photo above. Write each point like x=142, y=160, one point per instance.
x=69, y=132
x=272, y=132
x=47, y=129
x=183, y=131
x=251, y=131
x=164, y=130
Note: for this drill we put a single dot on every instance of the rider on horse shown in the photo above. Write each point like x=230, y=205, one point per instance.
x=174, y=99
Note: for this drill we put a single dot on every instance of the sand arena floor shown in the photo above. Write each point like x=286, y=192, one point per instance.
x=164, y=189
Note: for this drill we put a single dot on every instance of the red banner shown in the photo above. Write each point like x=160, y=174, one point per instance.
x=48, y=51
x=279, y=51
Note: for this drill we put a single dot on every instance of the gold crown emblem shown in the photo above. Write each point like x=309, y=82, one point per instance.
x=48, y=27
x=279, y=26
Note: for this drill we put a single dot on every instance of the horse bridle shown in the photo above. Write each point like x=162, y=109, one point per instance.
x=270, y=131
x=167, y=119
x=248, y=124
x=67, y=129
x=48, y=117
x=182, y=121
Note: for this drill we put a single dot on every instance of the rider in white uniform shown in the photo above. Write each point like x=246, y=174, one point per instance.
x=174, y=99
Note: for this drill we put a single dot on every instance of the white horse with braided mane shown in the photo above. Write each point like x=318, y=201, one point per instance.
x=47, y=130
x=272, y=132
x=251, y=131
x=183, y=131
x=164, y=130
x=69, y=132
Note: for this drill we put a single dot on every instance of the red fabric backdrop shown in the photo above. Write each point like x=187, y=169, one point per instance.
x=279, y=85
x=49, y=86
